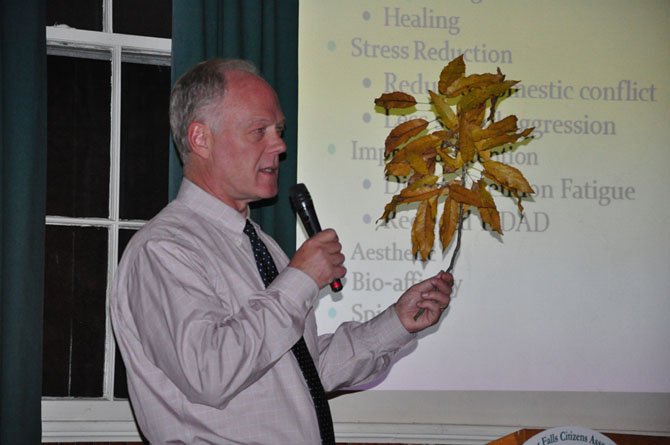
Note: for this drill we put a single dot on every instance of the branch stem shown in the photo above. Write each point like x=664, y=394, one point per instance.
x=457, y=249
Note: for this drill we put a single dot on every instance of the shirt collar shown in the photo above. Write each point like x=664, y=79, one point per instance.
x=210, y=207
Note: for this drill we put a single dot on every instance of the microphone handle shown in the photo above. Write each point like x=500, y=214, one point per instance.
x=305, y=210
x=312, y=226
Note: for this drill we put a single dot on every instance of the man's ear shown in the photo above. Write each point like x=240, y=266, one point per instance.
x=200, y=139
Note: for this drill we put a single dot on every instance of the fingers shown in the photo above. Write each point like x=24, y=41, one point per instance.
x=321, y=257
x=422, y=305
x=330, y=245
x=442, y=283
x=434, y=301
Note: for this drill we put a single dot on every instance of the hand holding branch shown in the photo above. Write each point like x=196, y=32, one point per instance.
x=431, y=297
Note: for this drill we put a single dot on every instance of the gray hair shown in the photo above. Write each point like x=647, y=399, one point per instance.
x=196, y=93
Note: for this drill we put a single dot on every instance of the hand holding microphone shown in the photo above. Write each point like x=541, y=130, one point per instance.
x=321, y=254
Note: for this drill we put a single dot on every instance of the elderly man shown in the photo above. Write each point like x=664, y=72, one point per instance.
x=215, y=324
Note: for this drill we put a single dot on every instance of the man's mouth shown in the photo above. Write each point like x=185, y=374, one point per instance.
x=270, y=170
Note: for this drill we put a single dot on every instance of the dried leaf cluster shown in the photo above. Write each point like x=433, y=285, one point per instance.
x=462, y=145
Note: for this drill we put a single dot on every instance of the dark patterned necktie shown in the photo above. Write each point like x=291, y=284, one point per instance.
x=268, y=270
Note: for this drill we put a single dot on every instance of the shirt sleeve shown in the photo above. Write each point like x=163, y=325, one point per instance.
x=357, y=353
x=211, y=346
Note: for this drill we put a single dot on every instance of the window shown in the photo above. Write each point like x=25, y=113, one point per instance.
x=108, y=68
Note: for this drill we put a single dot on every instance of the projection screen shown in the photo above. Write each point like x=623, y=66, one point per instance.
x=563, y=318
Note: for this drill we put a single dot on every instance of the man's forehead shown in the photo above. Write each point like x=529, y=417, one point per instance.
x=240, y=79
x=250, y=100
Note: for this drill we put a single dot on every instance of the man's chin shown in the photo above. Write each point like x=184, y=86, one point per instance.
x=268, y=193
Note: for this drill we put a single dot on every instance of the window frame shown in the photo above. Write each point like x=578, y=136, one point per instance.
x=101, y=419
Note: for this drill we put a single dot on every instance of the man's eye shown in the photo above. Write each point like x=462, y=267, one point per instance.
x=280, y=130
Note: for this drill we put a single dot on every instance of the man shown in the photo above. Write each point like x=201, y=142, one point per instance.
x=207, y=344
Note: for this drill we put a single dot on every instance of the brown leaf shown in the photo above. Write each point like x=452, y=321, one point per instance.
x=448, y=222
x=423, y=229
x=451, y=73
x=465, y=84
x=474, y=118
x=488, y=211
x=402, y=133
x=497, y=134
x=502, y=126
x=419, y=190
x=400, y=169
x=464, y=195
x=397, y=99
x=497, y=141
x=519, y=206
x=479, y=96
x=423, y=145
x=419, y=154
x=507, y=176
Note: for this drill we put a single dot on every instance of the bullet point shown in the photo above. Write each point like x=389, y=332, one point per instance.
x=367, y=184
x=332, y=149
x=332, y=46
x=367, y=83
x=366, y=117
x=367, y=219
x=366, y=15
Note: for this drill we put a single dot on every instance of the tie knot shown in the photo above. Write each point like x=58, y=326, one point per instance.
x=249, y=230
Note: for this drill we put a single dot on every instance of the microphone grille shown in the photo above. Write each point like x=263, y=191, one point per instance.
x=298, y=193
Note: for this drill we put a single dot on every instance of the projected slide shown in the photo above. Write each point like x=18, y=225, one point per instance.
x=576, y=295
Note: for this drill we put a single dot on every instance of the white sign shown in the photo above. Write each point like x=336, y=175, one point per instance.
x=569, y=435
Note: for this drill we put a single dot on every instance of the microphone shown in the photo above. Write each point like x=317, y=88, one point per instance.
x=303, y=206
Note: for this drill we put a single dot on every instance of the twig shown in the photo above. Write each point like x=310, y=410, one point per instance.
x=457, y=248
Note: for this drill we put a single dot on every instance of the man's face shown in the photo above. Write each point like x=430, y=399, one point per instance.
x=246, y=141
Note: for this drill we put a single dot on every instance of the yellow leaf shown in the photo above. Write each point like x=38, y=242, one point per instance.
x=507, y=176
x=448, y=222
x=403, y=132
x=423, y=229
x=418, y=164
x=423, y=144
x=444, y=111
x=467, y=147
x=449, y=163
x=460, y=104
x=397, y=99
x=448, y=138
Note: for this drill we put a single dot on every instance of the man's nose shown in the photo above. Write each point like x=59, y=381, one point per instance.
x=278, y=143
